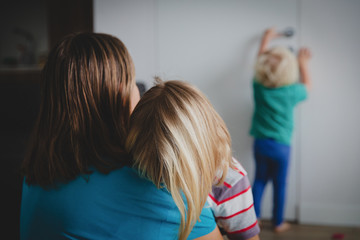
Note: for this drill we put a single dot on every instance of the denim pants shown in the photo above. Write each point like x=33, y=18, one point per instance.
x=272, y=160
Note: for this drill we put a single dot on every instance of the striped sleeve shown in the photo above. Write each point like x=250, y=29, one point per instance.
x=232, y=205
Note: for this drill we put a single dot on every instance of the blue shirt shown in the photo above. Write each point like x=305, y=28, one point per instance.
x=119, y=205
x=274, y=110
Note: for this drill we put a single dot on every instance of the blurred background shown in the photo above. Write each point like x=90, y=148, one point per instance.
x=211, y=44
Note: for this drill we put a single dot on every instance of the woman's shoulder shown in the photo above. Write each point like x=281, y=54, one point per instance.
x=129, y=180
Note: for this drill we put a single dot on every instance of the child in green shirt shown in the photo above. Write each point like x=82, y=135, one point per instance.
x=276, y=93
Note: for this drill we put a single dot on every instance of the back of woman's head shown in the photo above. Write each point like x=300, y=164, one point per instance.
x=179, y=141
x=85, y=108
x=276, y=67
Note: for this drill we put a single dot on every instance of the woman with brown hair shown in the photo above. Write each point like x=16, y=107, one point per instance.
x=78, y=183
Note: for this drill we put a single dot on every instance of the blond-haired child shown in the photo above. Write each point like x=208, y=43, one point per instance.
x=276, y=93
x=180, y=143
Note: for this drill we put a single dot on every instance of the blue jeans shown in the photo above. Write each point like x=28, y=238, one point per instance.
x=272, y=160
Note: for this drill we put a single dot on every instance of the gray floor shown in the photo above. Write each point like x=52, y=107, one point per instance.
x=309, y=232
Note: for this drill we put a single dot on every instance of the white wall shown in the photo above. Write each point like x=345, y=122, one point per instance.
x=212, y=44
x=132, y=21
x=330, y=137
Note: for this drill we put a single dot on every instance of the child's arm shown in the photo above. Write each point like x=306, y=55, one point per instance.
x=268, y=35
x=303, y=58
x=232, y=205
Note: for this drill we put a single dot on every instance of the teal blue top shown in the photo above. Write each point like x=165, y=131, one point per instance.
x=120, y=205
x=274, y=109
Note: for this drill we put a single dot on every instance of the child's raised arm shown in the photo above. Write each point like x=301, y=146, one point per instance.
x=268, y=35
x=303, y=57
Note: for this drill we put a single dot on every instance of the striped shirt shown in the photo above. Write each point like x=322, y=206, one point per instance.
x=232, y=205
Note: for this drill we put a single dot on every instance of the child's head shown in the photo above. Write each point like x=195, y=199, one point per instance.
x=276, y=67
x=87, y=89
x=177, y=139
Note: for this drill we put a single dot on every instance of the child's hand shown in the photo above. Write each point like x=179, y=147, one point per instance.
x=304, y=56
x=271, y=33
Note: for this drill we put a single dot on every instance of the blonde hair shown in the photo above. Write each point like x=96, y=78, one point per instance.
x=178, y=140
x=276, y=67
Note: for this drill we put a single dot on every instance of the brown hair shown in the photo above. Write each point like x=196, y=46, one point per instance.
x=179, y=141
x=85, y=108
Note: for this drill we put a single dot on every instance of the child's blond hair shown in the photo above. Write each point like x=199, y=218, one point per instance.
x=276, y=67
x=178, y=140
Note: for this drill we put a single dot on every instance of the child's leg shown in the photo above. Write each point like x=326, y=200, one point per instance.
x=279, y=177
x=261, y=177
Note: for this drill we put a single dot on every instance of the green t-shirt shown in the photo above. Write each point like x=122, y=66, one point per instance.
x=274, y=110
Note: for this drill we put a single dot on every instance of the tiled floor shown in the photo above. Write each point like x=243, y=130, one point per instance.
x=310, y=232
